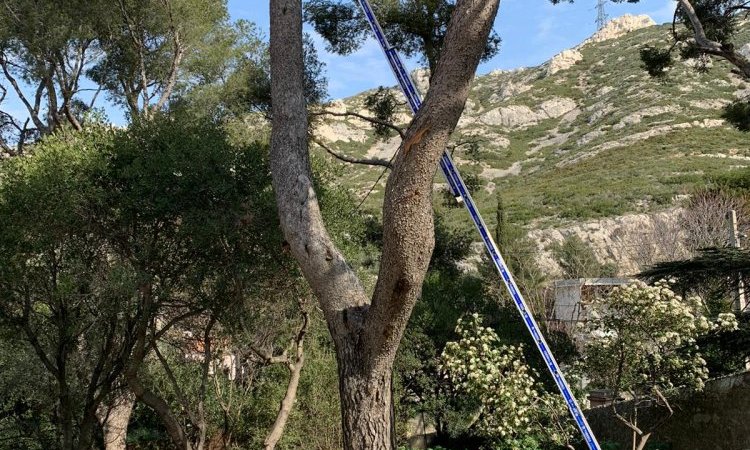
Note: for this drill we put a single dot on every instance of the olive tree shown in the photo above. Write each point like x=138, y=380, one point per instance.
x=366, y=330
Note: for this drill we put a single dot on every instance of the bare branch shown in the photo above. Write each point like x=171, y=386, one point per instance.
x=349, y=159
x=33, y=111
x=22, y=138
x=626, y=421
x=179, y=52
x=96, y=94
x=173, y=321
x=666, y=404
x=363, y=117
x=295, y=369
x=267, y=356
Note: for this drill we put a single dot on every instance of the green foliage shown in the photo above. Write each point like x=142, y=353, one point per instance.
x=382, y=104
x=339, y=23
x=738, y=114
x=578, y=260
x=656, y=61
x=714, y=273
x=718, y=17
x=315, y=421
x=142, y=32
x=90, y=217
x=513, y=408
x=416, y=27
x=446, y=295
x=519, y=252
x=642, y=340
x=452, y=244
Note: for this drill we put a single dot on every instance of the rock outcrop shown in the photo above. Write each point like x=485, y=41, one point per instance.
x=619, y=26
x=563, y=60
x=613, y=29
x=632, y=241
x=519, y=116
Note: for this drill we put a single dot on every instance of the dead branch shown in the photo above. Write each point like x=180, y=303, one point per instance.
x=349, y=159
x=373, y=120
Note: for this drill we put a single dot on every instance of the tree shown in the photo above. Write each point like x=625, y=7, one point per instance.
x=111, y=239
x=233, y=76
x=417, y=28
x=578, y=260
x=46, y=47
x=366, y=331
x=640, y=341
x=142, y=53
x=146, y=45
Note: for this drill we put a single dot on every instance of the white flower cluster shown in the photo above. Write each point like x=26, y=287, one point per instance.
x=727, y=322
x=499, y=378
x=644, y=338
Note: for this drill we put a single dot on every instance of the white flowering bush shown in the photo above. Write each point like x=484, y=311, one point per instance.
x=640, y=342
x=512, y=404
x=642, y=337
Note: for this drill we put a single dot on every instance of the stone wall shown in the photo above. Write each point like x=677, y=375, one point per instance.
x=716, y=419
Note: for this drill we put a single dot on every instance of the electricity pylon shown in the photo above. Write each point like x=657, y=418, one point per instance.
x=601, y=15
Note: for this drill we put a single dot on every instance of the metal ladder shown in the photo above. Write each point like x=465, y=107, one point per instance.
x=459, y=190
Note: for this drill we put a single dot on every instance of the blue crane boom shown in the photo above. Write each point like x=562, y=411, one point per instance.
x=460, y=192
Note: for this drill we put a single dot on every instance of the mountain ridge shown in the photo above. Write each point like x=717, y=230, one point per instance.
x=586, y=136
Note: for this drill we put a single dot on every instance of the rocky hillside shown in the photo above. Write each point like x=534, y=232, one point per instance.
x=581, y=143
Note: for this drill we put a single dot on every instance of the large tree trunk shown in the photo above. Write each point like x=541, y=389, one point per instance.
x=367, y=332
x=366, y=408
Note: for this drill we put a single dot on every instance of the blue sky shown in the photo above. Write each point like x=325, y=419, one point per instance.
x=532, y=32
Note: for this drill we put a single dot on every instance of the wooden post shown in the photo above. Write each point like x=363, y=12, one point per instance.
x=734, y=240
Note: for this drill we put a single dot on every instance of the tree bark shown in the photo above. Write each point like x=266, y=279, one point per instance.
x=366, y=333
x=114, y=419
x=366, y=405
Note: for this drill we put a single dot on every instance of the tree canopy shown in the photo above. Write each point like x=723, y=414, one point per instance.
x=417, y=28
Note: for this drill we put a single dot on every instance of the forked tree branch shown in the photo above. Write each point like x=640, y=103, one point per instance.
x=408, y=232
x=704, y=44
x=374, y=326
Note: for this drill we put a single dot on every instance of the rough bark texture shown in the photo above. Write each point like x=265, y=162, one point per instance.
x=114, y=419
x=367, y=332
